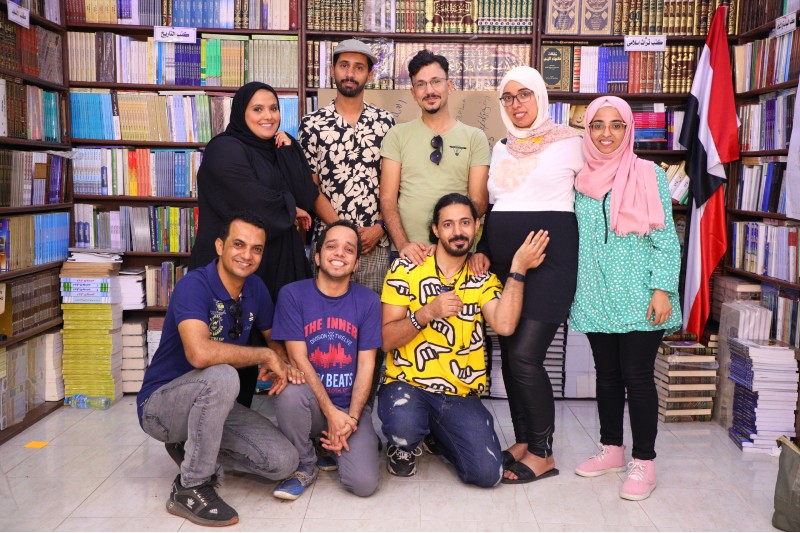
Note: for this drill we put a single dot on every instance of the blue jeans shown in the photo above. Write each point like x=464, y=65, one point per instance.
x=461, y=426
x=200, y=409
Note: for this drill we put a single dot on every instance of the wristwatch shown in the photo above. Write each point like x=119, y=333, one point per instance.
x=382, y=224
x=517, y=276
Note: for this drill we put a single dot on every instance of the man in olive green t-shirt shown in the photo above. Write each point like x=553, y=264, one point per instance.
x=427, y=158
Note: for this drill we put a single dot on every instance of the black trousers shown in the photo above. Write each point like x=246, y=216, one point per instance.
x=624, y=363
x=530, y=394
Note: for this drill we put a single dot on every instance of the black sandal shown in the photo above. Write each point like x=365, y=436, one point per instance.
x=508, y=459
x=525, y=474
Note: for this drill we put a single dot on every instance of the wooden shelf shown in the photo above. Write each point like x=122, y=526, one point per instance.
x=683, y=39
x=770, y=89
x=660, y=152
x=555, y=96
x=136, y=199
x=424, y=37
x=32, y=80
x=154, y=144
x=39, y=145
x=40, y=20
x=11, y=274
x=679, y=208
x=759, y=153
x=759, y=31
x=165, y=255
x=744, y=273
x=148, y=30
x=25, y=209
x=759, y=214
x=41, y=328
x=157, y=87
x=30, y=419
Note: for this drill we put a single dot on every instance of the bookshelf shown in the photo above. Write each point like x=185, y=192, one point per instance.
x=766, y=68
x=35, y=189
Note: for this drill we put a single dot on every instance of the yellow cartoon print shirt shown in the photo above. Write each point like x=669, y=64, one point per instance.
x=447, y=355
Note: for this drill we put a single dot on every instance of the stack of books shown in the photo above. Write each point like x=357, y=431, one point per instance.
x=15, y=401
x=53, y=368
x=765, y=395
x=731, y=289
x=686, y=379
x=92, y=361
x=154, y=326
x=3, y=389
x=134, y=355
x=131, y=282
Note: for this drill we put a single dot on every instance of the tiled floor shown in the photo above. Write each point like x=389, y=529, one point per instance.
x=100, y=472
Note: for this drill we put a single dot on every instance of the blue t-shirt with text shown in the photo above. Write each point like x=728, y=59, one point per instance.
x=334, y=329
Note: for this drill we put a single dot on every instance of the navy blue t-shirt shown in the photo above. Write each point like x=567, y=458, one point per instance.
x=335, y=329
x=200, y=295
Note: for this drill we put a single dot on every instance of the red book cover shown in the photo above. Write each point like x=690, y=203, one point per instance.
x=292, y=14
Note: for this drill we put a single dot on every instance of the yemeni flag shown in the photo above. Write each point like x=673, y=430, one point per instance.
x=710, y=134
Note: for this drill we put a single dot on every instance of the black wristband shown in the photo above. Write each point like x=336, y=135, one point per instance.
x=382, y=224
x=517, y=276
x=414, y=322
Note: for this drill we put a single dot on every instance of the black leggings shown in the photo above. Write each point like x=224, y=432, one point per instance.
x=530, y=394
x=624, y=362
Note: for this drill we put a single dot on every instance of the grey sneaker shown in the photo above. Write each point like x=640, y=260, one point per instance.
x=402, y=463
x=200, y=505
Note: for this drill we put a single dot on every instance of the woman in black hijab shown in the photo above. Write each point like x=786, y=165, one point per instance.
x=255, y=167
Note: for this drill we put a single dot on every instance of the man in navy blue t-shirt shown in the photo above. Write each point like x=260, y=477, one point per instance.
x=332, y=330
x=188, y=398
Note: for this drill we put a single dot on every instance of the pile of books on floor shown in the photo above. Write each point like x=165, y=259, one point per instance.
x=765, y=393
x=686, y=379
x=731, y=289
x=134, y=355
x=92, y=361
x=53, y=344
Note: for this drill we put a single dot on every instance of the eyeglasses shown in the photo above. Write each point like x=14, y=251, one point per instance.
x=436, y=155
x=235, y=312
x=435, y=83
x=616, y=126
x=508, y=99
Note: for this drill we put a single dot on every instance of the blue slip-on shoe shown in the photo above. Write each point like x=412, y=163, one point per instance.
x=293, y=486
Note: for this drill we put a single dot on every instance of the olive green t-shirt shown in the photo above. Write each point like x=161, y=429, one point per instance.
x=422, y=182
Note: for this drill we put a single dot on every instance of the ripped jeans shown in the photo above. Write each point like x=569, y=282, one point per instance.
x=462, y=426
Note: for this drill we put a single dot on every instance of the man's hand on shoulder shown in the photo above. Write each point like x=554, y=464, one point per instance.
x=416, y=252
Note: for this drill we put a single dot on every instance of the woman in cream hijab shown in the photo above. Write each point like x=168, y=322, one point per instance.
x=531, y=182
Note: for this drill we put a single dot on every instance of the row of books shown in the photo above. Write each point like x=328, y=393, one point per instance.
x=160, y=281
x=135, y=172
x=686, y=379
x=29, y=112
x=760, y=184
x=765, y=62
x=213, y=60
x=635, y=17
x=30, y=240
x=49, y=9
x=766, y=248
x=765, y=394
x=785, y=307
x=608, y=69
x=509, y=17
x=30, y=374
x=137, y=229
x=679, y=182
x=767, y=124
x=472, y=66
x=34, y=51
x=760, y=12
x=30, y=301
x=31, y=178
x=244, y=14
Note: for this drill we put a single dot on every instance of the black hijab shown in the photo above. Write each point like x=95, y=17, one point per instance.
x=294, y=171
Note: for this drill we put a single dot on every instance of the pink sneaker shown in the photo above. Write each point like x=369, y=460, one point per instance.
x=641, y=480
x=608, y=459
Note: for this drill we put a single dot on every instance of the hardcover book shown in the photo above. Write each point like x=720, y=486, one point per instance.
x=562, y=17
x=556, y=61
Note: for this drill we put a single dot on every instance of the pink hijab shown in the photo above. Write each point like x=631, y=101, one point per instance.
x=635, y=201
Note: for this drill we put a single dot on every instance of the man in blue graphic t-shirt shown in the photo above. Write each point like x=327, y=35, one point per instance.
x=188, y=397
x=332, y=329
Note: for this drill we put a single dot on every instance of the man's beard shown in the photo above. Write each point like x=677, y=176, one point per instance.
x=457, y=252
x=347, y=91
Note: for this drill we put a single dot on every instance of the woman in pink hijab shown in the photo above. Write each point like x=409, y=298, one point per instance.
x=627, y=293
